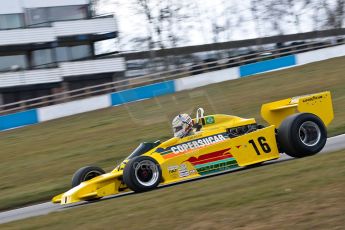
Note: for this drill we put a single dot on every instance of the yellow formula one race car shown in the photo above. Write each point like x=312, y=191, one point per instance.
x=297, y=127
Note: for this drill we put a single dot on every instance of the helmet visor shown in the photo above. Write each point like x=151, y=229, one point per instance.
x=177, y=128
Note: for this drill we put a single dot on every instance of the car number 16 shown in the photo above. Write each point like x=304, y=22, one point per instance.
x=263, y=144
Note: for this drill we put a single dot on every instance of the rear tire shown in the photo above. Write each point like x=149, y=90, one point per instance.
x=142, y=174
x=86, y=173
x=301, y=135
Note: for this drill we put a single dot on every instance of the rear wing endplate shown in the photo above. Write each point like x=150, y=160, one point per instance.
x=319, y=104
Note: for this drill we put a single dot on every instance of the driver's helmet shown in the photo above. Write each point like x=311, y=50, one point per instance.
x=182, y=125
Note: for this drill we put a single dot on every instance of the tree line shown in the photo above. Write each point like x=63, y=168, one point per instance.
x=173, y=23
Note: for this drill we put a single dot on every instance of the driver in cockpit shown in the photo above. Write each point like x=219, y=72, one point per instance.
x=182, y=125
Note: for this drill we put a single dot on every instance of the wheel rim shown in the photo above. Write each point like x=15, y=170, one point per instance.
x=91, y=174
x=309, y=133
x=146, y=173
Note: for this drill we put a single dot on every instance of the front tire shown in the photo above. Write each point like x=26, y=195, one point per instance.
x=86, y=173
x=301, y=135
x=142, y=174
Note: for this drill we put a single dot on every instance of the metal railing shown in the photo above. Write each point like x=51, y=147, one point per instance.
x=159, y=77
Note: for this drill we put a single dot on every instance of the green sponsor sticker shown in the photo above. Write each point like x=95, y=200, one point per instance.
x=210, y=120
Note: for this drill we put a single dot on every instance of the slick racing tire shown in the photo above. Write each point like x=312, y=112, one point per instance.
x=86, y=173
x=301, y=135
x=142, y=174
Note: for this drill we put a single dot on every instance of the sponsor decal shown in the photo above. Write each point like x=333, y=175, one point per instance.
x=206, y=164
x=313, y=98
x=209, y=157
x=173, y=171
x=202, y=142
x=209, y=120
x=180, y=171
x=217, y=166
x=214, y=162
x=183, y=171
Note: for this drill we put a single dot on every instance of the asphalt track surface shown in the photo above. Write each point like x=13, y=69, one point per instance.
x=333, y=144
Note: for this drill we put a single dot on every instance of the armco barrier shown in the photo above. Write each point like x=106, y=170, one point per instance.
x=320, y=55
x=264, y=66
x=18, y=119
x=73, y=107
x=144, y=92
x=206, y=79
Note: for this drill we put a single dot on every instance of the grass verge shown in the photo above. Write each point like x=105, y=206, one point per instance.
x=299, y=194
x=37, y=161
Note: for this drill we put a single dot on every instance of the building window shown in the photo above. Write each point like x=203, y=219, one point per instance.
x=42, y=58
x=38, y=17
x=68, y=53
x=62, y=54
x=67, y=13
x=11, y=21
x=13, y=62
x=79, y=52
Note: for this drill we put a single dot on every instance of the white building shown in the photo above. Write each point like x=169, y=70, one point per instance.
x=47, y=46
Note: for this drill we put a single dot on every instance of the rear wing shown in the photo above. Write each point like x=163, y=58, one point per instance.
x=319, y=104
